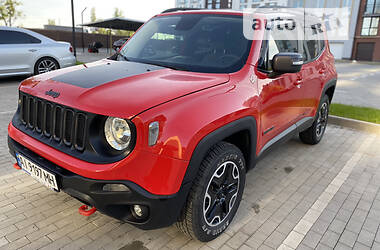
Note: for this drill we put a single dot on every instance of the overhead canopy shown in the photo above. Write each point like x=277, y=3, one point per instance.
x=117, y=23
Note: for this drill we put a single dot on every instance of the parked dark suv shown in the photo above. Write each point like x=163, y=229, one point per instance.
x=165, y=132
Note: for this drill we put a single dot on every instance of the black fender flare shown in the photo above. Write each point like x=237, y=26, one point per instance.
x=246, y=123
x=329, y=84
x=204, y=146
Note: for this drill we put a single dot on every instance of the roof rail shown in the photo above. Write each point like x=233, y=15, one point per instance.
x=178, y=9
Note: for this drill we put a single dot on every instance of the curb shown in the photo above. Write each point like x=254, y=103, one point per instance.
x=354, y=124
x=343, y=61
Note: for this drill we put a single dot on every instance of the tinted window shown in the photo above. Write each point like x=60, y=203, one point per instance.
x=313, y=47
x=272, y=47
x=193, y=42
x=15, y=37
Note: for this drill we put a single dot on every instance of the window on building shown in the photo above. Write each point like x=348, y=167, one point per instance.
x=217, y=4
x=243, y=6
x=370, y=26
x=332, y=4
x=372, y=7
x=296, y=3
x=346, y=3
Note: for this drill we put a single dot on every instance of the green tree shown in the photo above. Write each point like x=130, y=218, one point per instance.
x=8, y=11
x=118, y=13
x=51, y=22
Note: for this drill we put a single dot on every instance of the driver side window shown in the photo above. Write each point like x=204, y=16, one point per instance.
x=271, y=47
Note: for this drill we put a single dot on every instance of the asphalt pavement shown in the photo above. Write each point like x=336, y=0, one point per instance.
x=358, y=84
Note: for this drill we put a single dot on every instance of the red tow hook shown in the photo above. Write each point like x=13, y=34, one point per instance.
x=16, y=166
x=83, y=210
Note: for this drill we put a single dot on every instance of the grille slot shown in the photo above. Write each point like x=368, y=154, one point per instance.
x=80, y=131
x=68, y=127
x=54, y=121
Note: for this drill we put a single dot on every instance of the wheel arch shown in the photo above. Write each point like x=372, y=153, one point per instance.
x=40, y=57
x=329, y=89
x=242, y=133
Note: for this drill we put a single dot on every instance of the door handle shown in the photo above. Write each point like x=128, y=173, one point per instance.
x=32, y=50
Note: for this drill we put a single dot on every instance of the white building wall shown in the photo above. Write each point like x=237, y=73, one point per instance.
x=340, y=49
x=241, y=4
x=189, y=3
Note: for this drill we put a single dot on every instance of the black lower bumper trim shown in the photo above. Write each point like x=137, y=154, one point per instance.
x=163, y=210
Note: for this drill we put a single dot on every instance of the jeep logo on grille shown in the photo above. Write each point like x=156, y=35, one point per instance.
x=52, y=93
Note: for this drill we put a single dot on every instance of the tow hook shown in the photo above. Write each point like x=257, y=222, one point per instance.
x=16, y=166
x=85, y=211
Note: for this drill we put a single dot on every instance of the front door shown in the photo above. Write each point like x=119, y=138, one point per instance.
x=280, y=96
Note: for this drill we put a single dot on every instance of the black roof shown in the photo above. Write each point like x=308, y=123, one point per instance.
x=117, y=23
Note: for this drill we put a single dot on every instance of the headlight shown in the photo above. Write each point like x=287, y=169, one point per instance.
x=118, y=133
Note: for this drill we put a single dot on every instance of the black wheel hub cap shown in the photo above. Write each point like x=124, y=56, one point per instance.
x=221, y=193
x=322, y=119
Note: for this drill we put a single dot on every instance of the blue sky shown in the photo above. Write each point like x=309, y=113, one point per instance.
x=37, y=12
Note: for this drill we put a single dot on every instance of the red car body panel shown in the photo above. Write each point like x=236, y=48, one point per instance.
x=134, y=94
x=188, y=106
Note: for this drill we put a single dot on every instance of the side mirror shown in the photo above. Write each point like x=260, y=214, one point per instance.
x=287, y=63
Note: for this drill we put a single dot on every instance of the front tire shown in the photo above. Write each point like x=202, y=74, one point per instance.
x=314, y=134
x=215, y=195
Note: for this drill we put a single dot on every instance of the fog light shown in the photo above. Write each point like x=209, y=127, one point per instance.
x=116, y=188
x=138, y=210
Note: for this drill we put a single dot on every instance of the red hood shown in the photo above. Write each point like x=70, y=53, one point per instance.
x=121, y=89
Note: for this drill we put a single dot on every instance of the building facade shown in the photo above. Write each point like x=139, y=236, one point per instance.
x=190, y=4
x=367, y=36
x=243, y=4
x=218, y=4
x=341, y=49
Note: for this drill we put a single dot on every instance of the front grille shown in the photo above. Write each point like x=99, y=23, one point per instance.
x=54, y=121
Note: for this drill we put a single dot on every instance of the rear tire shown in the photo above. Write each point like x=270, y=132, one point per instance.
x=215, y=195
x=314, y=134
x=45, y=64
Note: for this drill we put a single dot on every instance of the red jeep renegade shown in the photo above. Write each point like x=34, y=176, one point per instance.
x=164, y=131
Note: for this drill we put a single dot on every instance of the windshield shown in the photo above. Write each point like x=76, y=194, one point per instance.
x=191, y=42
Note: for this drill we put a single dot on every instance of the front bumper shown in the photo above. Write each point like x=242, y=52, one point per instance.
x=163, y=210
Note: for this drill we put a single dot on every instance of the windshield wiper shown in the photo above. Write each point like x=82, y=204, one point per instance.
x=123, y=56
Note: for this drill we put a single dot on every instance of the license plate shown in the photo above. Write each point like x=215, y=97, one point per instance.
x=38, y=173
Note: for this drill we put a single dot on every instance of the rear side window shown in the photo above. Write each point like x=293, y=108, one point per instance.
x=16, y=37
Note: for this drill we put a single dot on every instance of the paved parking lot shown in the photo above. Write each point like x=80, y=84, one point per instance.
x=298, y=197
x=358, y=84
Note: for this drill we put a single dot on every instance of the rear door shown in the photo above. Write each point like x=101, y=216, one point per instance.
x=18, y=52
x=314, y=72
